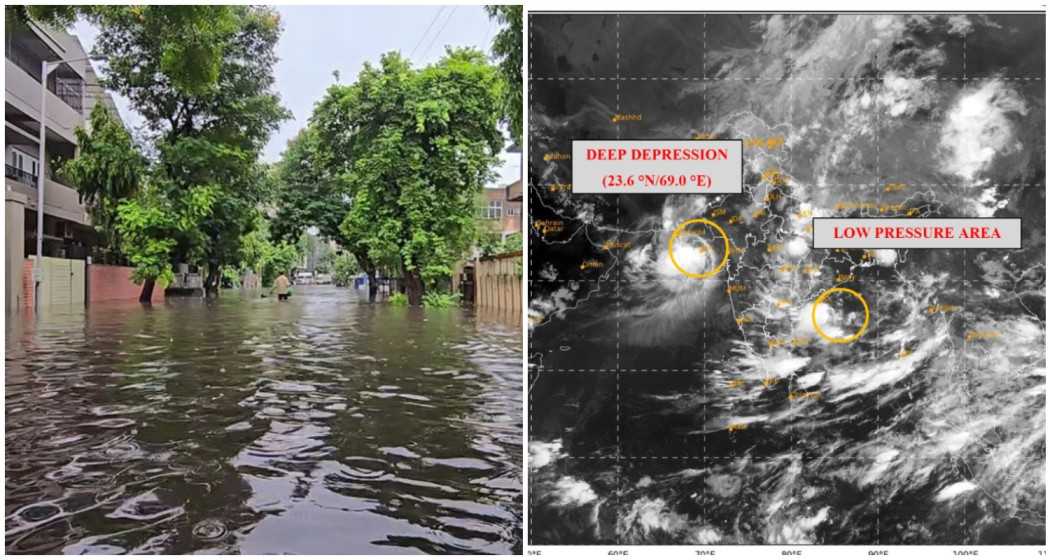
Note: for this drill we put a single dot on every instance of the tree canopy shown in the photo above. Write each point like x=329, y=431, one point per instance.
x=187, y=39
x=412, y=148
x=306, y=193
x=202, y=79
x=109, y=169
x=506, y=45
x=208, y=125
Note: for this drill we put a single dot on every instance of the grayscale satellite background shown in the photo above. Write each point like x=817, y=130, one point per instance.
x=672, y=410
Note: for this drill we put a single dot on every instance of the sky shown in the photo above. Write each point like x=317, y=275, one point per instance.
x=317, y=40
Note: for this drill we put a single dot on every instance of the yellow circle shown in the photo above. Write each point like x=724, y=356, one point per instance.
x=848, y=339
x=678, y=230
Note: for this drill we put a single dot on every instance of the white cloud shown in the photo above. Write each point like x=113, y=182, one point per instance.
x=573, y=492
x=977, y=129
x=953, y=490
x=542, y=454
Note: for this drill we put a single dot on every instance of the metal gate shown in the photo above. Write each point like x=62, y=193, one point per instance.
x=466, y=284
x=63, y=282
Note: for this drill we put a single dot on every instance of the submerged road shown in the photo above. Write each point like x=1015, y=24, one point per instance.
x=320, y=425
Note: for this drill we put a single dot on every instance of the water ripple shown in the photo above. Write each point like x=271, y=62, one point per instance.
x=319, y=425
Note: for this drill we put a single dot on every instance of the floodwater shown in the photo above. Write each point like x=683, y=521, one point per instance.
x=246, y=425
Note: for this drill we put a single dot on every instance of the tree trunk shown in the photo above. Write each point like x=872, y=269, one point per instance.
x=414, y=287
x=373, y=285
x=146, y=296
x=211, y=285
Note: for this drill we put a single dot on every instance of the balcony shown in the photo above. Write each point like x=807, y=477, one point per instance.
x=22, y=94
x=60, y=201
x=27, y=49
x=17, y=174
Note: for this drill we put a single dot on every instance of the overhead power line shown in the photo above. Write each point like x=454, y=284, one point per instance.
x=424, y=36
x=451, y=13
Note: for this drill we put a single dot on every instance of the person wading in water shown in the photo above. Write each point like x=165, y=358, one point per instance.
x=280, y=284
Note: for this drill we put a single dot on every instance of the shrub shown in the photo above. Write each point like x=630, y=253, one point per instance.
x=440, y=300
x=399, y=299
x=344, y=268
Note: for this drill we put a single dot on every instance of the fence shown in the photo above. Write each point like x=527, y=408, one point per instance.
x=109, y=283
x=497, y=281
x=71, y=281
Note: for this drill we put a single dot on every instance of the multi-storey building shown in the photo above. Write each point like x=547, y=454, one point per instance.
x=72, y=91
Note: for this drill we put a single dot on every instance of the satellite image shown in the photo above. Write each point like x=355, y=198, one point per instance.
x=699, y=373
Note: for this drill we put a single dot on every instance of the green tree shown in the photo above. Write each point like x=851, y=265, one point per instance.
x=149, y=225
x=315, y=250
x=326, y=260
x=264, y=256
x=187, y=39
x=107, y=171
x=280, y=259
x=344, y=268
x=207, y=132
x=506, y=46
x=415, y=146
x=254, y=246
x=306, y=193
x=311, y=186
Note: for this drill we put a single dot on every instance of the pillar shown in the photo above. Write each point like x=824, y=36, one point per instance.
x=14, y=248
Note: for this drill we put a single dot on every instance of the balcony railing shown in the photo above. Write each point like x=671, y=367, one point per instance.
x=19, y=175
x=69, y=91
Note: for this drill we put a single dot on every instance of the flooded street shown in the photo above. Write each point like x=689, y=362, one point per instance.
x=245, y=425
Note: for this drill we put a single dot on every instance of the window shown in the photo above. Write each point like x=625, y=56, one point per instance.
x=23, y=162
x=493, y=211
x=70, y=90
x=20, y=166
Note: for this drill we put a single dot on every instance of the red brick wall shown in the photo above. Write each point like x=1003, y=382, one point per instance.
x=27, y=283
x=107, y=283
x=506, y=224
x=512, y=224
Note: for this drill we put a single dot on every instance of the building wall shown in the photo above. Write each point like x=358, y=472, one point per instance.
x=27, y=283
x=60, y=201
x=512, y=223
x=110, y=283
x=251, y=281
x=509, y=222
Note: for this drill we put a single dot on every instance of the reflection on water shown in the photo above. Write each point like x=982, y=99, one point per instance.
x=318, y=425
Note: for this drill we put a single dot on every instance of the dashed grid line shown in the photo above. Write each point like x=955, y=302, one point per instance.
x=528, y=472
x=628, y=370
x=619, y=309
x=703, y=362
x=877, y=298
x=666, y=457
x=965, y=310
x=783, y=79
